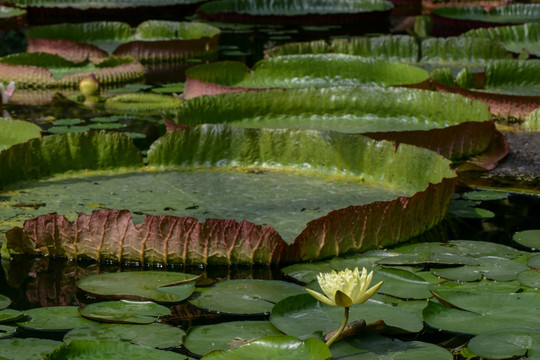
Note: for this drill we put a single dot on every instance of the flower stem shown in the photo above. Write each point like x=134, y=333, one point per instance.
x=341, y=328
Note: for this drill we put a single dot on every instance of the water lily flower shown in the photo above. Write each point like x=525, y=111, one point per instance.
x=7, y=93
x=345, y=288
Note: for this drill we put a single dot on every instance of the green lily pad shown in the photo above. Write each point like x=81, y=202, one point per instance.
x=154, y=335
x=10, y=315
x=26, y=349
x=530, y=278
x=473, y=248
x=307, y=272
x=528, y=238
x=7, y=331
x=129, y=88
x=506, y=343
x=66, y=122
x=402, y=284
x=500, y=15
x=372, y=346
x=157, y=286
x=275, y=348
x=87, y=349
x=67, y=129
x=299, y=71
x=16, y=131
x=53, y=71
x=515, y=38
x=483, y=286
x=172, y=88
x=534, y=262
x=477, y=313
x=125, y=312
x=490, y=267
x=303, y=316
x=142, y=104
x=486, y=195
x=54, y=318
x=150, y=42
x=4, y=301
x=203, y=339
x=245, y=296
x=107, y=126
x=467, y=209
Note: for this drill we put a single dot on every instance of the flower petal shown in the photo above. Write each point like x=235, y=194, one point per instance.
x=321, y=297
x=342, y=299
x=362, y=299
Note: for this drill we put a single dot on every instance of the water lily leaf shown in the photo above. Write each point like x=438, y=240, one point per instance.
x=436, y=121
x=485, y=195
x=231, y=163
x=172, y=88
x=528, y=238
x=37, y=70
x=26, y=349
x=425, y=258
x=106, y=126
x=515, y=38
x=368, y=346
x=16, y=131
x=88, y=349
x=10, y=315
x=150, y=41
x=142, y=104
x=490, y=267
x=203, y=339
x=307, y=272
x=480, y=287
x=11, y=16
x=530, y=278
x=154, y=335
x=4, y=301
x=54, y=318
x=125, y=312
x=67, y=122
x=245, y=296
x=402, y=284
x=7, y=331
x=303, y=316
x=275, y=348
x=506, y=343
x=477, y=313
x=296, y=71
x=67, y=129
x=140, y=285
x=534, y=262
x=290, y=12
x=467, y=209
x=129, y=88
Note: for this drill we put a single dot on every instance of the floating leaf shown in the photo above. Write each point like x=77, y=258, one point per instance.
x=483, y=286
x=125, y=312
x=528, y=238
x=530, y=278
x=140, y=285
x=10, y=315
x=4, y=301
x=474, y=248
x=16, y=131
x=67, y=122
x=516, y=38
x=67, y=129
x=26, y=349
x=243, y=297
x=467, y=209
x=142, y=104
x=154, y=335
x=202, y=339
x=7, y=331
x=506, y=343
x=534, y=262
x=275, y=348
x=490, y=267
x=303, y=316
x=486, y=195
x=54, y=318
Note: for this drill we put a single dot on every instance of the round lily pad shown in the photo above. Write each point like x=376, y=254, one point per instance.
x=534, y=262
x=245, y=296
x=490, y=267
x=125, y=312
x=460, y=247
x=16, y=131
x=203, y=339
x=506, y=343
x=54, y=318
x=87, y=349
x=528, y=238
x=157, y=286
x=154, y=335
x=530, y=278
x=303, y=316
x=9, y=315
x=370, y=346
x=275, y=348
x=4, y=301
x=479, y=287
x=7, y=331
x=26, y=349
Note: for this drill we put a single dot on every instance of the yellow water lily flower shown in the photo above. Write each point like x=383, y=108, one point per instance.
x=345, y=288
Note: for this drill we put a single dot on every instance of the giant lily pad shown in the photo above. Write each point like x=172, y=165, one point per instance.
x=509, y=87
x=303, y=316
x=155, y=335
x=476, y=313
x=245, y=296
x=455, y=20
x=39, y=70
x=317, y=12
x=449, y=125
x=202, y=339
x=296, y=71
x=147, y=285
x=275, y=348
x=227, y=159
x=16, y=131
x=151, y=41
x=26, y=349
x=516, y=38
x=88, y=349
